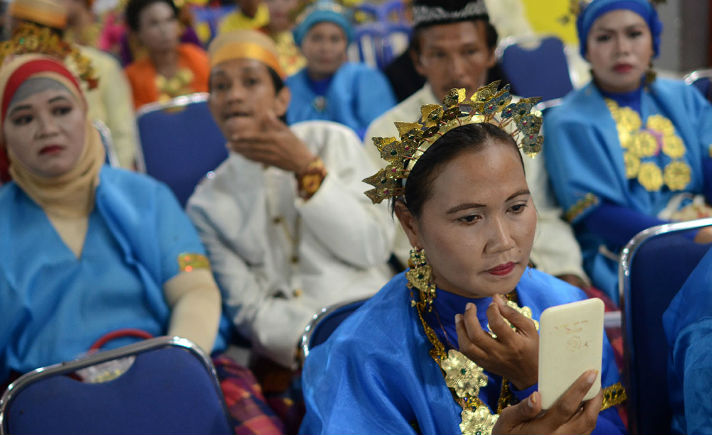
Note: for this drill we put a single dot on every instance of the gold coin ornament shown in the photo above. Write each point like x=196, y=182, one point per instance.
x=650, y=176
x=677, y=175
x=642, y=149
x=673, y=146
x=632, y=164
x=644, y=144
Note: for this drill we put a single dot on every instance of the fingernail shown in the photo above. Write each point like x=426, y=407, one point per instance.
x=469, y=306
x=458, y=318
x=592, y=376
x=532, y=400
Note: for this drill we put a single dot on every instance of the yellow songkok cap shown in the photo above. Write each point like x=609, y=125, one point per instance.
x=51, y=13
x=245, y=44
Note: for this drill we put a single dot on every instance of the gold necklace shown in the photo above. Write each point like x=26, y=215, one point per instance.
x=175, y=86
x=464, y=378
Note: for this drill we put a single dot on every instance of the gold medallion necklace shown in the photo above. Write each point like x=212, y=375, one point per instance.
x=464, y=378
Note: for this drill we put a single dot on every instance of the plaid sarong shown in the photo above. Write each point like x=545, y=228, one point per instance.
x=246, y=404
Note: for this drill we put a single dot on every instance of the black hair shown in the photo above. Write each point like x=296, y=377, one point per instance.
x=491, y=35
x=135, y=7
x=469, y=137
x=276, y=79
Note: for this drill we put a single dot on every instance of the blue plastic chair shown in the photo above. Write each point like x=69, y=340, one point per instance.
x=384, y=12
x=211, y=16
x=379, y=42
x=653, y=267
x=105, y=135
x=180, y=142
x=325, y=322
x=169, y=388
x=536, y=67
x=700, y=79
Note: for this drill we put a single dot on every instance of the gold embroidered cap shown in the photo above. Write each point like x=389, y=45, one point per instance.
x=488, y=104
x=52, y=13
x=30, y=38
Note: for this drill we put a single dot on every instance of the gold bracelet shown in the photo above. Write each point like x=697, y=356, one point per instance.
x=309, y=180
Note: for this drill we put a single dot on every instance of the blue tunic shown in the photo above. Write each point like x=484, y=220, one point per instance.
x=584, y=159
x=375, y=375
x=688, y=327
x=356, y=95
x=54, y=306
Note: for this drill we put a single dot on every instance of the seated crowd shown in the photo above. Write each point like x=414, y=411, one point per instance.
x=461, y=243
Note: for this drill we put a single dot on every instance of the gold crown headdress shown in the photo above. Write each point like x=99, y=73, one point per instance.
x=487, y=104
x=31, y=38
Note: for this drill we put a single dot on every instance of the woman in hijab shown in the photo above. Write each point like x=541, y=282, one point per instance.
x=627, y=151
x=88, y=249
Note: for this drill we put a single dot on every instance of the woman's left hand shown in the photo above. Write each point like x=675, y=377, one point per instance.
x=514, y=354
x=273, y=144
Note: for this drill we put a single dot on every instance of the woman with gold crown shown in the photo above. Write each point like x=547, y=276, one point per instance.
x=87, y=249
x=628, y=151
x=417, y=357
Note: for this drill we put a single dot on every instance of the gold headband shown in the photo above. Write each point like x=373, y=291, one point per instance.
x=486, y=105
x=246, y=50
x=48, y=13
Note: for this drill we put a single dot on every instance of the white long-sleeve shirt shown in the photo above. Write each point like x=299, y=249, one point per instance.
x=278, y=258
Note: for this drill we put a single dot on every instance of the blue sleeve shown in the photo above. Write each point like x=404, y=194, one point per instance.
x=617, y=224
x=579, y=163
x=346, y=394
x=176, y=233
x=609, y=422
x=176, y=236
x=692, y=370
x=688, y=329
x=698, y=111
x=375, y=97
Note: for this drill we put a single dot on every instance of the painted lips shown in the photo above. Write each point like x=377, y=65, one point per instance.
x=502, y=269
x=51, y=149
x=623, y=67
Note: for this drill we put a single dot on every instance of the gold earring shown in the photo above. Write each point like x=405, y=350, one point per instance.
x=420, y=276
x=650, y=75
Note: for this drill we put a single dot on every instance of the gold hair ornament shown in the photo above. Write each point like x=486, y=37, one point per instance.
x=486, y=105
x=29, y=38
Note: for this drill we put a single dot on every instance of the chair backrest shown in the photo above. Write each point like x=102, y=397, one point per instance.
x=536, y=67
x=180, y=142
x=377, y=43
x=169, y=388
x=701, y=80
x=653, y=267
x=207, y=19
x=391, y=11
x=112, y=159
x=324, y=322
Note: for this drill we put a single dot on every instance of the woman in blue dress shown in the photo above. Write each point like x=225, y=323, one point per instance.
x=688, y=328
x=86, y=249
x=417, y=357
x=627, y=151
x=329, y=87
